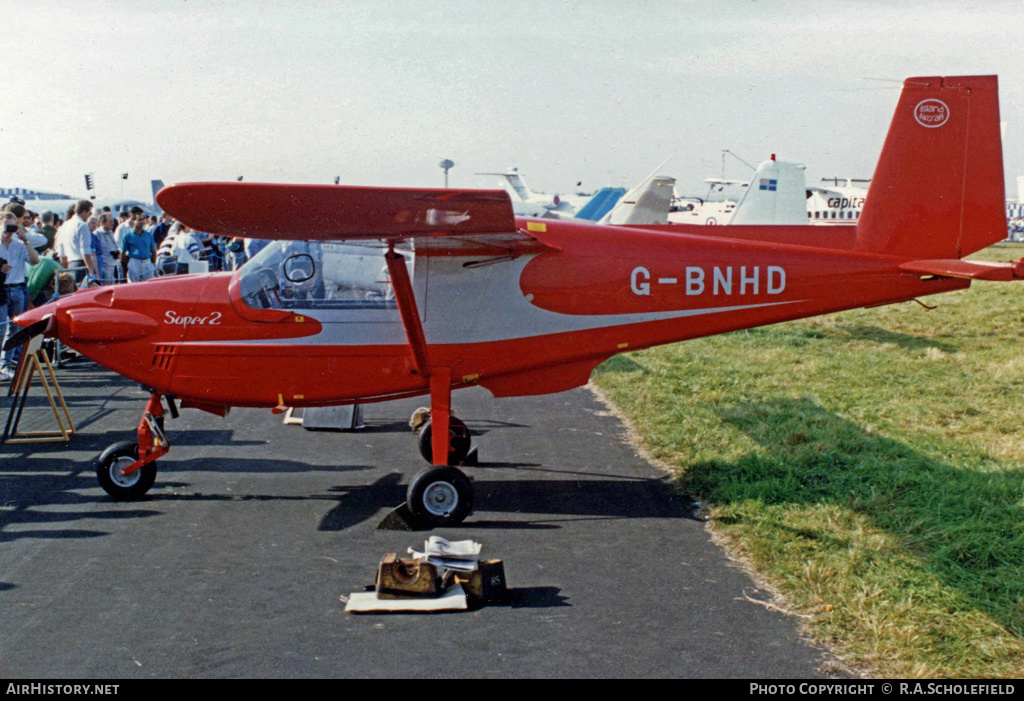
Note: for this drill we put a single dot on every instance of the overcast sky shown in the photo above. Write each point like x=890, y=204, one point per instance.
x=377, y=92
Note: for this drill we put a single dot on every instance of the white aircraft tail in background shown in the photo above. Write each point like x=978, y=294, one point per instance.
x=777, y=194
x=647, y=203
x=527, y=203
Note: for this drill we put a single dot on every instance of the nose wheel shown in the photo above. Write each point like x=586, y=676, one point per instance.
x=127, y=470
x=124, y=487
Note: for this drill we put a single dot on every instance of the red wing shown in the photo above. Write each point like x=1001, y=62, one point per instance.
x=305, y=212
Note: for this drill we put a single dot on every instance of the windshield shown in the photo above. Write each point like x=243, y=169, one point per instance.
x=318, y=275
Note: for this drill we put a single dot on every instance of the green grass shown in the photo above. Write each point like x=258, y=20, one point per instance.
x=868, y=465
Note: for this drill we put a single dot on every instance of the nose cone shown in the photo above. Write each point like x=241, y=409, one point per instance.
x=33, y=315
x=32, y=323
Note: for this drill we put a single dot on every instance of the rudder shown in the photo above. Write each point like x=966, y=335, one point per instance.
x=938, y=189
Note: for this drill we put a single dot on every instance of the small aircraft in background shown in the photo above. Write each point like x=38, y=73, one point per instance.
x=59, y=204
x=704, y=211
x=838, y=204
x=369, y=294
x=776, y=195
x=526, y=202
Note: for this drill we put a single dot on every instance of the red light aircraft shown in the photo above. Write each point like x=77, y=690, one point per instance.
x=370, y=294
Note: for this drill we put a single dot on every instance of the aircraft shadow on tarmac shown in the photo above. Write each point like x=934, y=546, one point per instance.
x=43, y=491
x=531, y=504
x=478, y=427
x=46, y=493
x=35, y=505
x=100, y=441
x=46, y=477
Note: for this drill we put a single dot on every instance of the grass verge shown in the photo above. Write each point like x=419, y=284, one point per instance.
x=869, y=465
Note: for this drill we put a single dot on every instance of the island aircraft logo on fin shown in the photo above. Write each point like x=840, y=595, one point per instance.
x=931, y=113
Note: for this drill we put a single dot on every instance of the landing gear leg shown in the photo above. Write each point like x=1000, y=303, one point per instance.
x=458, y=445
x=440, y=413
x=440, y=495
x=127, y=470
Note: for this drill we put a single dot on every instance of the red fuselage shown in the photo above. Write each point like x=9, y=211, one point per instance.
x=528, y=323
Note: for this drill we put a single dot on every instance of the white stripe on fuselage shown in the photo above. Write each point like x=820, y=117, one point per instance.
x=471, y=305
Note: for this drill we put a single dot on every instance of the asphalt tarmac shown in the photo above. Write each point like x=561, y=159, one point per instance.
x=235, y=564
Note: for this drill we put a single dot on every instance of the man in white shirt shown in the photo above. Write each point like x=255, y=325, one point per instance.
x=16, y=254
x=62, y=236
x=80, y=254
x=186, y=249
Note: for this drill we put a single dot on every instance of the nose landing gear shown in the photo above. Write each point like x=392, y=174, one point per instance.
x=110, y=471
x=126, y=470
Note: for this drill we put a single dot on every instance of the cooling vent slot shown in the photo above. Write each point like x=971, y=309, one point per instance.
x=163, y=357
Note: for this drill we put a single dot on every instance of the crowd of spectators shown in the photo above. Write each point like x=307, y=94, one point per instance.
x=45, y=255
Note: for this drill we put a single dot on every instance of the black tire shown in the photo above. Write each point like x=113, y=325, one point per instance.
x=129, y=488
x=459, y=442
x=440, y=496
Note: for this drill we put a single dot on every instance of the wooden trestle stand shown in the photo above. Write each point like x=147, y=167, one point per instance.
x=33, y=359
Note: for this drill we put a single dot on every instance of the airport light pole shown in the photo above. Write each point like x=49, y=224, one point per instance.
x=446, y=165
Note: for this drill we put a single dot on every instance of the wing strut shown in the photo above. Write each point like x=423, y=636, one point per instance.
x=407, y=306
x=439, y=378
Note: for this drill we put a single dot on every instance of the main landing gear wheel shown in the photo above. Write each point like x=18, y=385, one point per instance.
x=124, y=487
x=441, y=496
x=459, y=442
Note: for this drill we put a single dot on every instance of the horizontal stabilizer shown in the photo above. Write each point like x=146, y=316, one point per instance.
x=304, y=212
x=974, y=270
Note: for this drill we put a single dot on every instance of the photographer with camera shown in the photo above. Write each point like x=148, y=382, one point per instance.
x=15, y=256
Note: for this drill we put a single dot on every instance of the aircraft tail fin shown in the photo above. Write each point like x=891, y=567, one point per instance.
x=646, y=203
x=600, y=204
x=515, y=185
x=938, y=189
x=776, y=195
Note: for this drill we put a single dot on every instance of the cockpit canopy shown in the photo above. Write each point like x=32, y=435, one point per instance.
x=318, y=275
